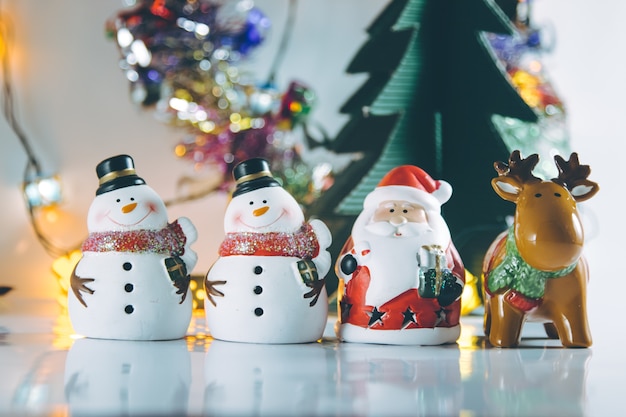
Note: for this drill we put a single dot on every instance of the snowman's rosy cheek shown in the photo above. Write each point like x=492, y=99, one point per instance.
x=152, y=207
x=101, y=216
x=237, y=217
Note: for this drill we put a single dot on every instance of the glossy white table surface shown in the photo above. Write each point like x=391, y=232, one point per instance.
x=45, y=371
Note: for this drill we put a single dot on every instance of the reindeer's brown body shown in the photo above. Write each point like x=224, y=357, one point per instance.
x=547, y=238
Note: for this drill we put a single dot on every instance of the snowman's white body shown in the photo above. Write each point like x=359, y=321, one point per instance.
x=156, y=310
x=133, y=296
x=284, y=316
x=263, y=298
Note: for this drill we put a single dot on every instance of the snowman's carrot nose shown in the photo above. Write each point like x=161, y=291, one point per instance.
x=129, y=207
x=260, y=211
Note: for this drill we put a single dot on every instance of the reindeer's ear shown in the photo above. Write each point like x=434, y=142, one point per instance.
x=584, y=190
x=508, y=188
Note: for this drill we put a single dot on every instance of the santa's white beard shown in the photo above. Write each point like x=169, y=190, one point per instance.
x=393, y=260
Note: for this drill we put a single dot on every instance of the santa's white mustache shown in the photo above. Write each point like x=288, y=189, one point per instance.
x=384, y=228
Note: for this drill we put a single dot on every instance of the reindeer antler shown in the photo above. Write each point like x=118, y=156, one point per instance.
x=571, y=172
x=518, y=167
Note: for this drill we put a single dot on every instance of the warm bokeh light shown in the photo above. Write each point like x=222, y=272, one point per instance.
x=470, y=298
x=62, y=268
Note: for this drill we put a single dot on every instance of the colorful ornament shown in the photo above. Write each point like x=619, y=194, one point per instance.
x=132, y=281
x=170, y=44
x=536, y=269
x=267, y=286
x=400, y=275
x=521, y=55
x=182, y=58
x=269, y=135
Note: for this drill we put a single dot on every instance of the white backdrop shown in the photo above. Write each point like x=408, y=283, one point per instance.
x=74, y=105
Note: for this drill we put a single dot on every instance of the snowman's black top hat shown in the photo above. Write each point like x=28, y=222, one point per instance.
x=117, y=172
x=252, y=174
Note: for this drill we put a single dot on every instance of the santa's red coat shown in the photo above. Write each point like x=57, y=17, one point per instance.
x=406, y=310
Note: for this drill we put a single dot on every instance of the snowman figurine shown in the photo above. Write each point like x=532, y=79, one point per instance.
x=132, y=281
x=267, y=286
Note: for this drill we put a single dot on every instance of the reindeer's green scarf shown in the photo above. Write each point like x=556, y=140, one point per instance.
x=513, y=272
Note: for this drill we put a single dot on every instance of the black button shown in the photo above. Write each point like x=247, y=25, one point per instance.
x=127, y=266
x=128, y=287
x=258, y=270
x=258, y=289
x=129, y=309
x=258, y=311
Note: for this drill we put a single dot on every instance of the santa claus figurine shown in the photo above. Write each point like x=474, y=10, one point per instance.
x=401, y=277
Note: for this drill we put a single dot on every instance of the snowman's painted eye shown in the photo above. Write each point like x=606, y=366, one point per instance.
x=252, y=203
x=118, y=200
x=264, y=201
x=132, y=199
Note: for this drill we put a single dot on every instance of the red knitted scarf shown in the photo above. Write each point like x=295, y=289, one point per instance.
x=302, y=244
x=169, y=241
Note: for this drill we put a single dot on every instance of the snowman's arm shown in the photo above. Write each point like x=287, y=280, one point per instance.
x=323, y=260
x=322, y=263
x=190, y=257
x=310, y=278
x=78, y=285
x=210, y=288
x=324, y=237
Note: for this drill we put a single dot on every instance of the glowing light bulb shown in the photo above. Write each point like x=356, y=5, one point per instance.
x=42, y=191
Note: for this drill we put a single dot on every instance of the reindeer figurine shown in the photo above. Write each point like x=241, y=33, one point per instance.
x=535, y=270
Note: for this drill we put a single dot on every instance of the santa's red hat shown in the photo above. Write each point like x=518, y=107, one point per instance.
x=410, y=183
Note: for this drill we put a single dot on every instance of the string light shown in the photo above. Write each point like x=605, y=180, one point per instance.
x=40, y=190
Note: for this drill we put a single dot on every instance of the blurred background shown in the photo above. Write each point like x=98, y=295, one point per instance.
x=74, y=104
x=77, y=104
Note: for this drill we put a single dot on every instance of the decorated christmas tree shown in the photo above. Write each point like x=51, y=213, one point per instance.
x=434, y=85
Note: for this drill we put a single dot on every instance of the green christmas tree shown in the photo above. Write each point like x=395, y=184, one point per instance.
x=433, y=86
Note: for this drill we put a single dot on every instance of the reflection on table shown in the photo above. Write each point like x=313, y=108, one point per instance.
x=200, y=376
x=127, y=378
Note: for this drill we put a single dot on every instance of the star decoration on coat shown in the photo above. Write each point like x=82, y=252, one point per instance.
x=375, y=317
x=409, y=317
